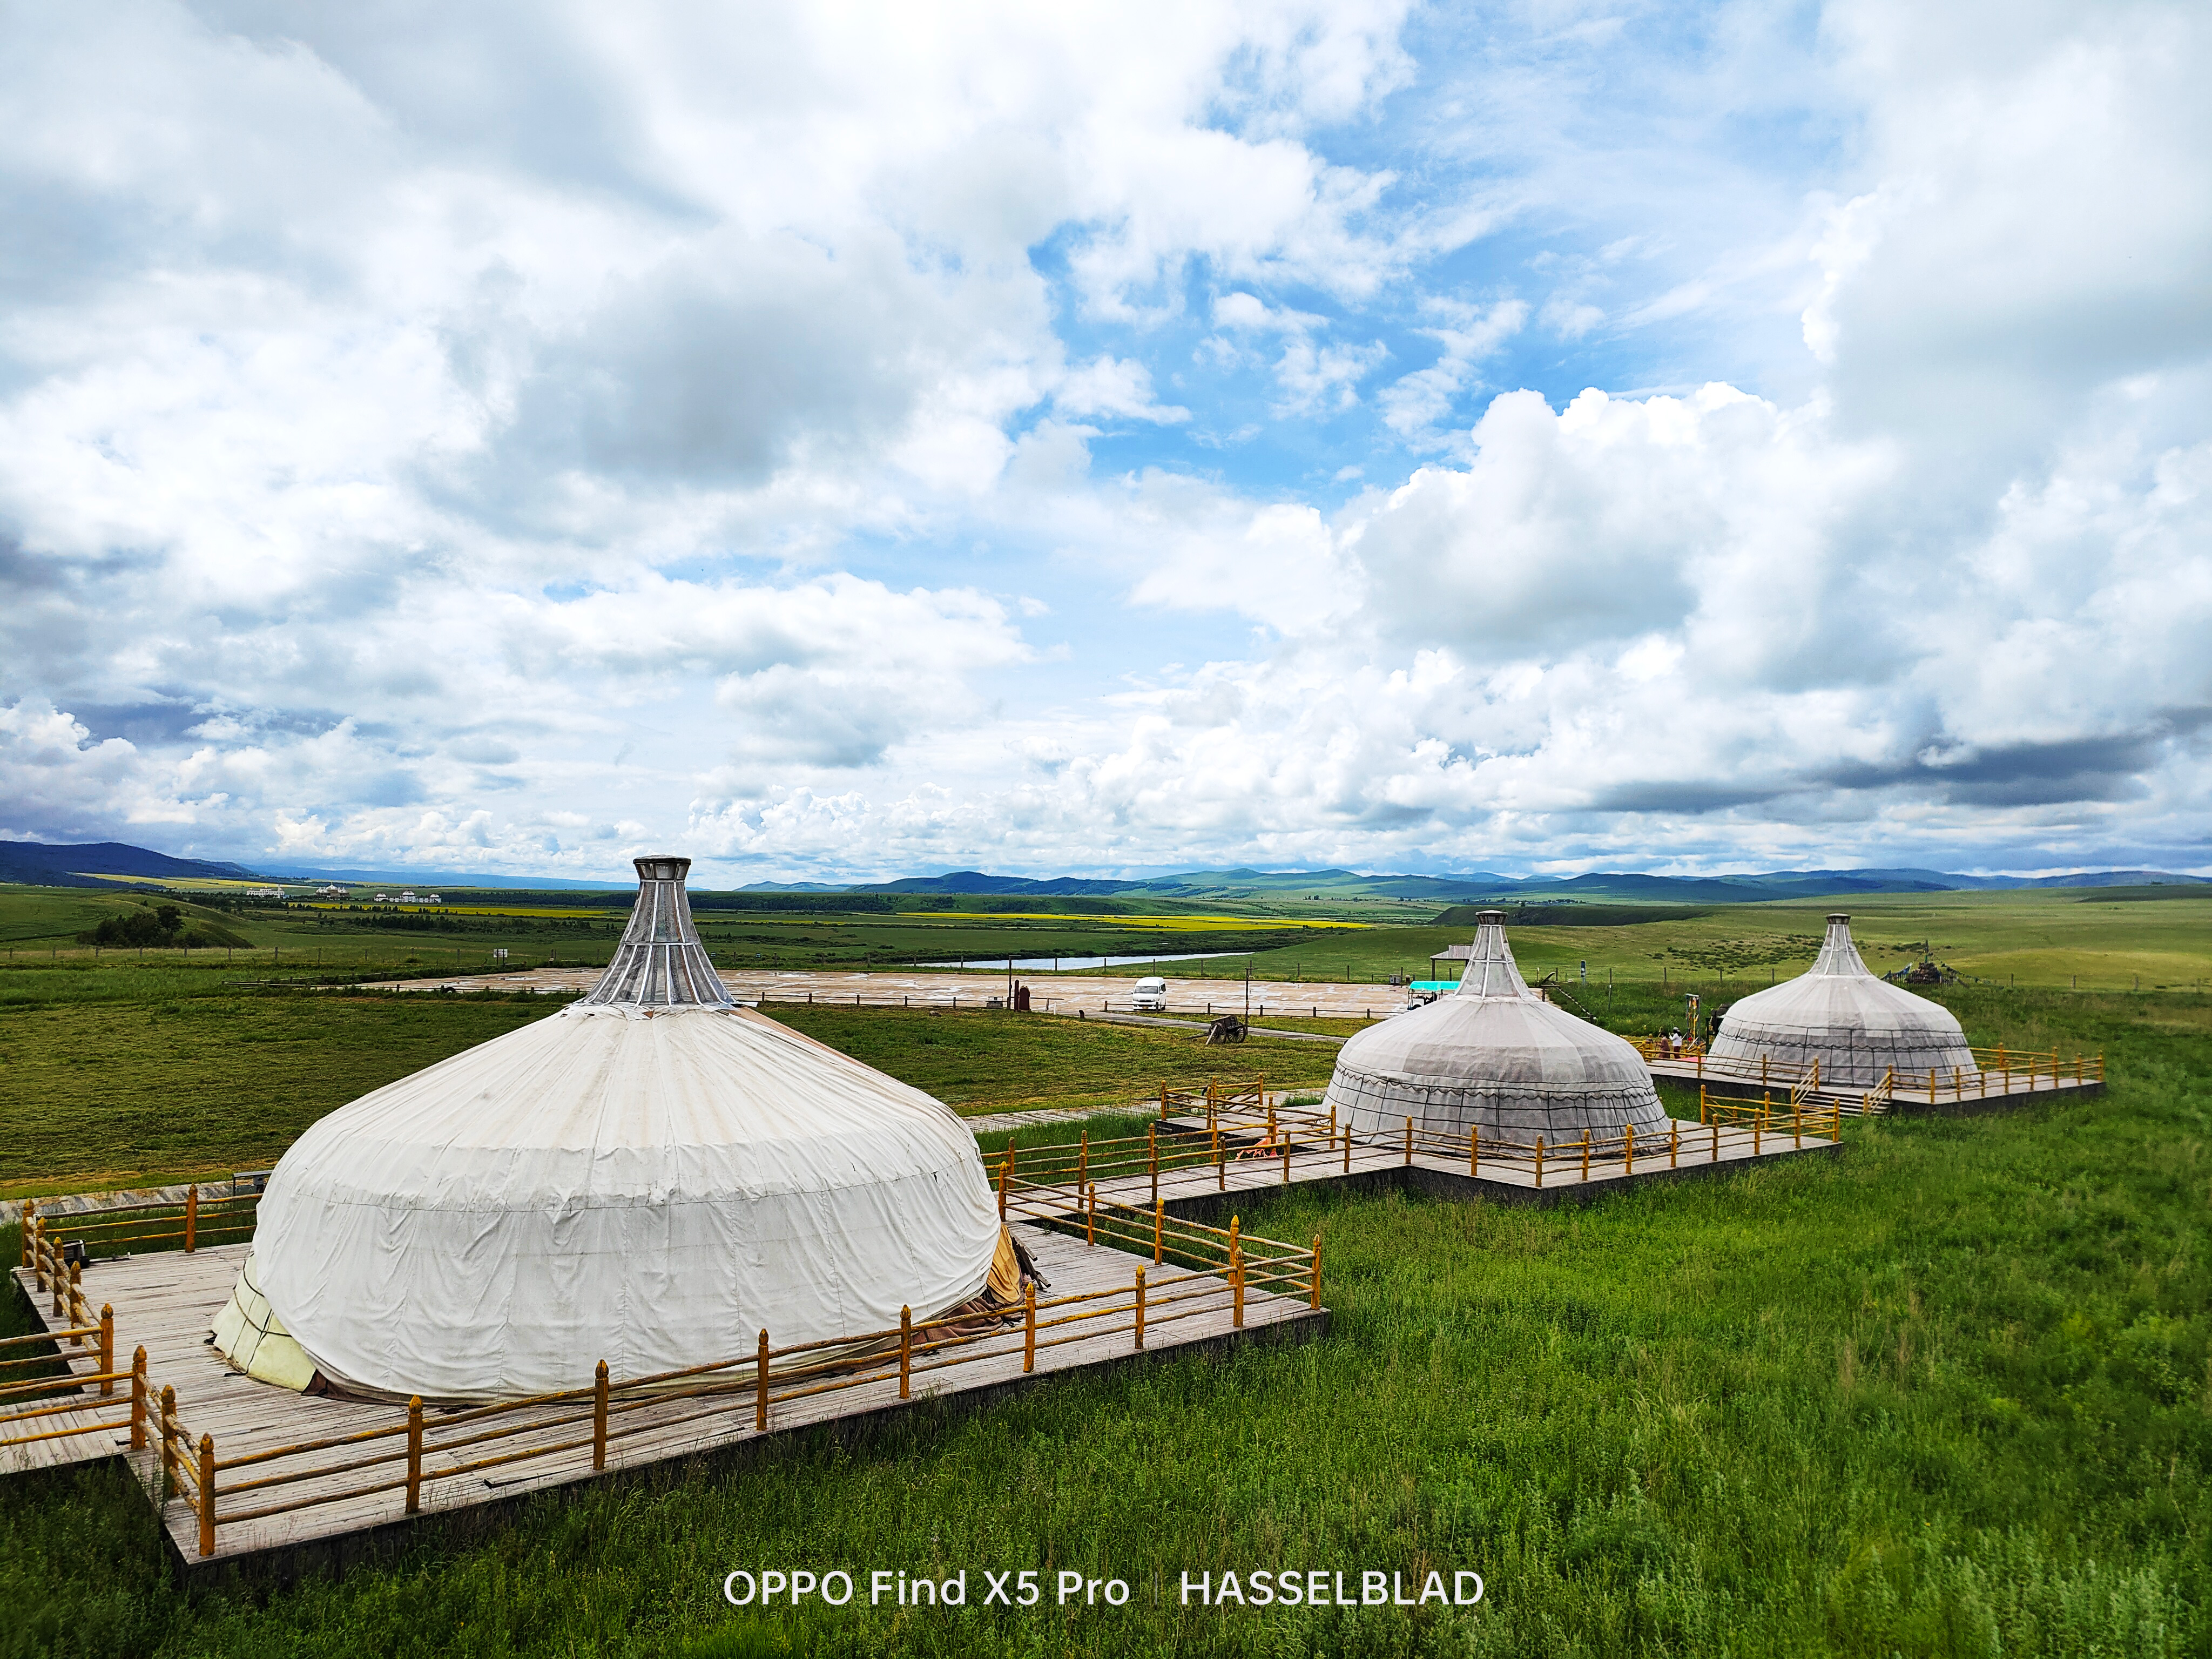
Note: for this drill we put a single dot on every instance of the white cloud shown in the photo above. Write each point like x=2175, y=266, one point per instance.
x=513, y=433
x=1417, y=402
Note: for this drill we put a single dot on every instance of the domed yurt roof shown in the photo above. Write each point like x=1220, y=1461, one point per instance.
x=650, y=1176
x=1495, y=1057
x=1857, y=1026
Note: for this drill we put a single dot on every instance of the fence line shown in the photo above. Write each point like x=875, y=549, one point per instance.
x=2012, y=1070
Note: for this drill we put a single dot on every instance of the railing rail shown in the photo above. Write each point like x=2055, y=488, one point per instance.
x=1996, y=1071
x=195, y=1220
x=1194, y=1271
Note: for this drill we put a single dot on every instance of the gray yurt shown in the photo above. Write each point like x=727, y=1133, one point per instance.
x=1493, y=1057
x=1857, y=1026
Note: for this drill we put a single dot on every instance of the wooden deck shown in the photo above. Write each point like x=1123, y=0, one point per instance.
x=166, y=1302
x=1972, y=1091
x=1212, y=1191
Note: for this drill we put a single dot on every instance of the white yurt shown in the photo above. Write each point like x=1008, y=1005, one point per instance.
x=1494, y=1057
x=1857, y=1026
x=651, y=1177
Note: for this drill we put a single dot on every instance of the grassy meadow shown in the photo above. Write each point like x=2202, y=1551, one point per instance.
x=1949, y=1394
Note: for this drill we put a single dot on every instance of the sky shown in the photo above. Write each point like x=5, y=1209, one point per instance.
x=839, y=441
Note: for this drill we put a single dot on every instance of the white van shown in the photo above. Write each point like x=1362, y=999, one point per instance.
x=1150, y=996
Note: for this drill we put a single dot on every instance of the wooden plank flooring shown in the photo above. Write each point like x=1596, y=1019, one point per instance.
x=166, y=1302
x=106, y=1417
x=1976, y=1092
x=1207, y=1186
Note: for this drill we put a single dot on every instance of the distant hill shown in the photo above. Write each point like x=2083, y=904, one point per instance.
x=975, y=881
x=1571, y=913
x=40, y=864
x=1478, y=885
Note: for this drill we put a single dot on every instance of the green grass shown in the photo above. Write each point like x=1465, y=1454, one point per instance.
x=2104, y=938
x=995, y=1060
x=99, y=1094
x=1949, y=1394
x=202, y=1078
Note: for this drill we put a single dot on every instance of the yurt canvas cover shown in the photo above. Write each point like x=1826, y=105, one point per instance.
x=1494, y=1057
x=651, y=1177
x=1857, y=1026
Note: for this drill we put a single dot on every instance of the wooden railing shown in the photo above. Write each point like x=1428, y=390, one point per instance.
x=218, y=1218
x=1996, y=1071
x=1194, y=1271
x=42, y=1397
x=1057, y=1183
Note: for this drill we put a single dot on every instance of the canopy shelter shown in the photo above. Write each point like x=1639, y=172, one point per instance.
x=1857, y=1025
x=650, y=1176
x=1493, y=1057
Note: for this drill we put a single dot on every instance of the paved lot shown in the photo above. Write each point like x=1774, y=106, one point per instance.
x=1059, y=993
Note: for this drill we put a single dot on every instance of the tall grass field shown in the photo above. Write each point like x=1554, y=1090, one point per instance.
x=1950, y=1393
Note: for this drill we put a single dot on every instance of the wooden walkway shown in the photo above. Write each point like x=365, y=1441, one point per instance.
x=1212, y=1191
x=167, y=1301
x=1970, y=1091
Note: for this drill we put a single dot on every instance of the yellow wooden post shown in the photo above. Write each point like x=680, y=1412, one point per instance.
x=1628, y=1150
x=1314, y=1300
x=1271, y=1114
x=1540, y=1160
x=54, y=1271
x=207, y=1496
x=760, y=1387
x=1083, y=1164
x=1220, y=1164
x=191, y=1217
x=1931, y=1086
x=1005, y=1174
x=1674, y=1143
x=30, y=1232
x=1010, y=1157
x=1236, y=1274
x=75, y=1314
x=139, y=1401
x=1796, y=1127
x=1091, y=1218
x=1286, y=1158
x=600, y=1417
x=1701, y=1102
x=1716, y=1156
x=1140, y=1310
x=108, y=1349
x=1585, y=1154
x=415, y=1456
x=906, y=1354
x=1473, y=1152
x=1758, y=1124
x=1347, y=1149
x=1159, y=1217
x=1762, y=1071
x=1029, y=1324
x=168, y=1428
x=1409, y=1143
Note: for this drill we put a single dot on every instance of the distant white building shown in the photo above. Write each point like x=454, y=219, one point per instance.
x=432, y=898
